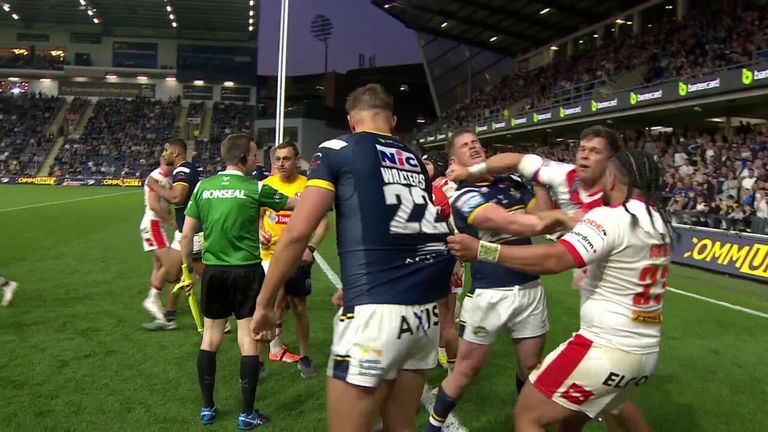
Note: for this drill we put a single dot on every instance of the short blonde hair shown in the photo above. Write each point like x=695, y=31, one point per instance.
x=369, y=97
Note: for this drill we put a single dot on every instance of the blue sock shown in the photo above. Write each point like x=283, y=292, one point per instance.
x=444, y=404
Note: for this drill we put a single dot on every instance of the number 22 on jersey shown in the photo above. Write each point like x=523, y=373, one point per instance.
x=407, y=198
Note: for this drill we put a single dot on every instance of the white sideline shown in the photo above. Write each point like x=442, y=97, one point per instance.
x=721, y=303
x=452, y=423
x=64, y=201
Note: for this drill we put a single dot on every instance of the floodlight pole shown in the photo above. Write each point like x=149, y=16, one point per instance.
x=281, y=72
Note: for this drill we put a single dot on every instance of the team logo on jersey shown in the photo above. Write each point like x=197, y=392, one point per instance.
x=396, y=158
x=317, y=159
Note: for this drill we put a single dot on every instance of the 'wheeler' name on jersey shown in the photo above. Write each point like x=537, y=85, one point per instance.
x=391, y=239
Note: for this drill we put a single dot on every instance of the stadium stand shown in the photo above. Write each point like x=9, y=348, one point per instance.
x=129, y=147
x=706, y=40
x=24, y=142
x=227, y=118
x=711, y=180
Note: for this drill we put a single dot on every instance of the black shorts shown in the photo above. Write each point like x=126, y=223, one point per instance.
x=229, y=290
x=300, y=283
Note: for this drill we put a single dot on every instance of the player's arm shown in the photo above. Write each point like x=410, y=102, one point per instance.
x=501, y=163
x=291, y=203
x=175, y=195
x=588, y=242
x=187, y=236
x=314, y=204
x=156, y=206
x=320, y=232
x=492, y=217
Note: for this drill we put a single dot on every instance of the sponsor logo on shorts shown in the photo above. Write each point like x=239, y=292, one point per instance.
x=418, y=322
x=480, y=331
x=617, y=380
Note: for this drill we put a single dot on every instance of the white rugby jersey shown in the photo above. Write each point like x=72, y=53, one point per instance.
x=623, y=290
x=562, y=180
x=165, y=181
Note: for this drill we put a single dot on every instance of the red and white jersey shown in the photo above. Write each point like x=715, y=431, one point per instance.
x=562, y=180
x=165, y=181
x=628, y=264
x=442, y=189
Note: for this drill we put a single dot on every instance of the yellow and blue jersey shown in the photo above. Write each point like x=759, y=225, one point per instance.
x=391, y=240
x=514, y=196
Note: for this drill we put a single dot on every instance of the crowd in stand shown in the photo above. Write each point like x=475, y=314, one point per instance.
x=24, y=139
x=713, y=179
x=704, y=41
x=123, y=138
x=228, y=118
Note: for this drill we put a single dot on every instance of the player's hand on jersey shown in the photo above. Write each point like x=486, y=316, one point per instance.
x=463, y=247
x=265, y=238
x=457, y=173
x=153, y=184
x=263, y=324
x=338, y=298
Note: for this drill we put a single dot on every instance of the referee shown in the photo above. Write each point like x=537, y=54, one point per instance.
x=228, y=206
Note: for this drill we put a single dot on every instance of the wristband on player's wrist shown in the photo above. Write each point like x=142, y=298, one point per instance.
x=478, y=170
x=488, y=252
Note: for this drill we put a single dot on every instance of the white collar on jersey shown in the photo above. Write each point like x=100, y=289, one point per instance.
x=232, y=172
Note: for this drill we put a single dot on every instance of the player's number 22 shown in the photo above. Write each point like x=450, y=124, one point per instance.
x=407, y=198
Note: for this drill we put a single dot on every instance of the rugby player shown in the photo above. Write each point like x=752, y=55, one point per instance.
x=442, y=188
x=9, y=289
x=157, y=217
x=394, y=267
x=228, y=204
x=494, y=209
x=627, y=244
x=185, y=178
x=576, y=188
x=289, y=182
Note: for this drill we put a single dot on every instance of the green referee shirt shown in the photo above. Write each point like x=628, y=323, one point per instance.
x=228, y=205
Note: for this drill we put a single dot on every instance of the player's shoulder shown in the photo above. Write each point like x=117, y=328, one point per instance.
x=185, y=167
x=336, y=144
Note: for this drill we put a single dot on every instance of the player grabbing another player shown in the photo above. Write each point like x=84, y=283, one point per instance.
x=157, y=217
x=9, y=290
x=394, y=267
x=228, y=204
x=627, y=246
x=185, y=178
x=494, y=209
x=289, y=182
x=442, y=189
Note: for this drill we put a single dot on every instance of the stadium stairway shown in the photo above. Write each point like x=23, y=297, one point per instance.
x=51, y=158
x=58, y=118
x=181, y=121
x=207, y=121
x=80, y=125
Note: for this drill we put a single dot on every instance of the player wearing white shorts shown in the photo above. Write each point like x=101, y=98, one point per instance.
x=184, y=180
x=493, y=209
x=394, y=267
x=627, y=246
x=156, y=218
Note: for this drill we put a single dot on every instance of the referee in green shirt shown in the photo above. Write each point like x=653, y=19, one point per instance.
x=228, y=205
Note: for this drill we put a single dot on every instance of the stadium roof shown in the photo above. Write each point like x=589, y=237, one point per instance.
x=510, y=27
x=195, y=19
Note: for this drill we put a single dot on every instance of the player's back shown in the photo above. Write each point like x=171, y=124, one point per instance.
x=164, y=180
x=623, y=293
x=390, y=238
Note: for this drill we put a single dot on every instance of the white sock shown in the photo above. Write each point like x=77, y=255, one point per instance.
x=153, y=294
x=276, y=345
x=441, y=351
